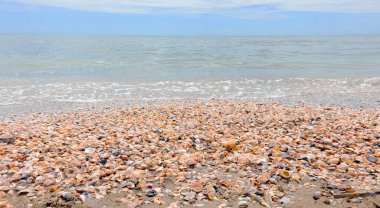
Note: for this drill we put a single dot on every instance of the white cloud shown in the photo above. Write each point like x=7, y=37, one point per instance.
x=211, y=6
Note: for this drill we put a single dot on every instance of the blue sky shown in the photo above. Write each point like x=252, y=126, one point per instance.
x=191, y=17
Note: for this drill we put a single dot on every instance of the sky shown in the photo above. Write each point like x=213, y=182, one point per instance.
x=191, y=17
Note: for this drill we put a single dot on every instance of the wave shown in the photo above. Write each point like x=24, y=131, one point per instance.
x=92, y=92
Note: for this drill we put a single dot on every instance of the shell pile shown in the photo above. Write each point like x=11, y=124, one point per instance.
x=190, y=152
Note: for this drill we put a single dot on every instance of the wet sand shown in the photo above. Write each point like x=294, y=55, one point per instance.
x=193, y=154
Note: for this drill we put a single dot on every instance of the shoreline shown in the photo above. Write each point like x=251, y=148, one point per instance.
x=191, y=153
x=354, y=100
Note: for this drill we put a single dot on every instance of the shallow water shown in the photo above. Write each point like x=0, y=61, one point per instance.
x=85, y=69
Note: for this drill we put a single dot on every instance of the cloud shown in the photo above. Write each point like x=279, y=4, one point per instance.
x=211, y=6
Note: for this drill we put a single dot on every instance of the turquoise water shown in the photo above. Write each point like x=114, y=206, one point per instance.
x=54, y=68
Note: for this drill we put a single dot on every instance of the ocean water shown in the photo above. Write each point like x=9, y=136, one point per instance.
x=88, y=69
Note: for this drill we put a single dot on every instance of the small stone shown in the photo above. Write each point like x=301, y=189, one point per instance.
x=243, y=204
x=317, y=195
x=377, y=136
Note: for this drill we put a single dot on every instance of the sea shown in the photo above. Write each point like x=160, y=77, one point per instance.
x=53, y=69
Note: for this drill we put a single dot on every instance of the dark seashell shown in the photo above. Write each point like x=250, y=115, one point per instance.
x=24, y=176
x=372, y=159
x=151, y=193
x=7, y=140
x=103, y=161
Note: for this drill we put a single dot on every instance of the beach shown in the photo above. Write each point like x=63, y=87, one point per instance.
x=123, y=121
x=216, y=153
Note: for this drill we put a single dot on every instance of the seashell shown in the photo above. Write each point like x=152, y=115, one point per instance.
x=54, y=188
x=109, y=172
x=5, y=204
x=211, y=197
x=67, y=196
x=191, y=162
x=25, y=191
x=4, y=188
x=151, y=193
x=48, y=182
x=190, y=196
x=263, y=178
x=158, y=201
x=284, y=174
x=333, y=161
x=230, y=145
x=197, y=186
x=296, y=178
